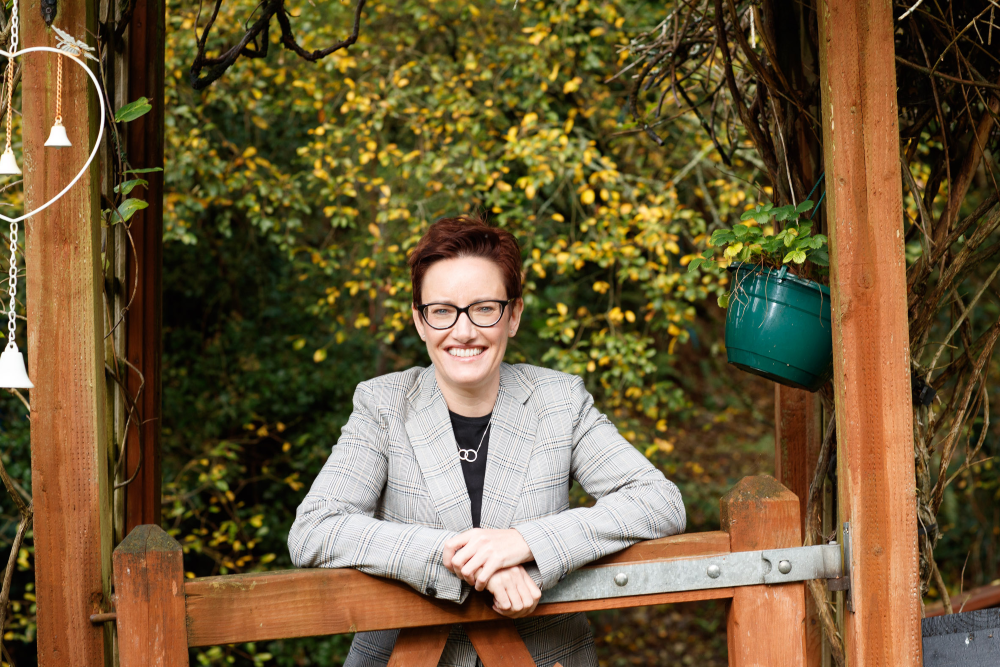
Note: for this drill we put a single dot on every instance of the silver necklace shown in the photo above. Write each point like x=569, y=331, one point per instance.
x=470, y=455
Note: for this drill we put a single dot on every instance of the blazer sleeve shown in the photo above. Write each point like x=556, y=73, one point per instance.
x=335, y=525
x=635, y=501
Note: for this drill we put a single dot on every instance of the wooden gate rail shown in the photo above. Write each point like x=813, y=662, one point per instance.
x=160, y=615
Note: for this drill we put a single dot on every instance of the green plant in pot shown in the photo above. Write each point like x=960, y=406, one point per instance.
x=777, y=323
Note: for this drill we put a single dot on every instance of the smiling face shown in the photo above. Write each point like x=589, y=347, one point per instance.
x=466, y=357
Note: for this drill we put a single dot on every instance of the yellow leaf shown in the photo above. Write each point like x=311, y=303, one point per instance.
x=591, y=366
x=663, y=445
x=587, y=196
x=529, y=192
x=733, y=249
x=597, y=32
x=630, y=316
x=555, y=72
x=572, y=85
x=561, y=307
x=601, y=287
x=250, y=152
x=558, y=217
x=373, y=228
x=319, y=355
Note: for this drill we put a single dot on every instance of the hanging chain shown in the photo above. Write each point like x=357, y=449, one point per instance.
x=12, y=273
x=12, y=289
x=59, y=92
x=12, y=47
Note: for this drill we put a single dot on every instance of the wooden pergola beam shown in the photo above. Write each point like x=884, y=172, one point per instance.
x=870, y=330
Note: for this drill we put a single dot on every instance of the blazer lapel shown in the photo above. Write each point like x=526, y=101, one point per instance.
x=512, y=437
x=428, y=427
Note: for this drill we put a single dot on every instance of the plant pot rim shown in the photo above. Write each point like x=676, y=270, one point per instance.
x=781, y=275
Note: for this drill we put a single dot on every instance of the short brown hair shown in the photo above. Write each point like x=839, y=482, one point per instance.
x=467, y=236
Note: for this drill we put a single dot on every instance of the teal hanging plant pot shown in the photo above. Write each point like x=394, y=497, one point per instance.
x=778, y=326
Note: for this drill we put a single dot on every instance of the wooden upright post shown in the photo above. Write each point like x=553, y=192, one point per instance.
x=149, y=585
x=69, y=466
x=766, y=624
x=144, y=321
x=797, y=440
x=875, y=468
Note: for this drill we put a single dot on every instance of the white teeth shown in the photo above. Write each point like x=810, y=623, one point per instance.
x=465, y=352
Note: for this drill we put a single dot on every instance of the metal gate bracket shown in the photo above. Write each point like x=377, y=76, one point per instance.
x=744, y=568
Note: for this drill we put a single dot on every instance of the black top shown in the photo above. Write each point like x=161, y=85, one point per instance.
x=468, y=433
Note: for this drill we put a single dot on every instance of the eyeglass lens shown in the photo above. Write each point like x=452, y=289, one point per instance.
x=483, y=314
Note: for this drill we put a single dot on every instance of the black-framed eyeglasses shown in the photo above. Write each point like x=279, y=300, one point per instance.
x=483, y=314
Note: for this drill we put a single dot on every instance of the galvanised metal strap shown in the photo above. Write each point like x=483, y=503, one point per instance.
x=744, y=568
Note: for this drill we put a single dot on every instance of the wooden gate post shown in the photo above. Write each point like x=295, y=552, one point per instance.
x=797, y=440
x=871, y=356
x=69, y=463
x=765, y=624
x=149, y=600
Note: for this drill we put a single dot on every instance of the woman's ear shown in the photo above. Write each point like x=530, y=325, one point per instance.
x=418, y=322
x=516, y=308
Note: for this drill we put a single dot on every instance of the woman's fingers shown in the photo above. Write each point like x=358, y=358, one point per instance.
x=452, y=546
x=472, y=566
x=515, y=594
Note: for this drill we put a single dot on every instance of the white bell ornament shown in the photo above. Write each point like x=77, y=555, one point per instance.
x=8, y=164
x=57, y=137
x=13, y=374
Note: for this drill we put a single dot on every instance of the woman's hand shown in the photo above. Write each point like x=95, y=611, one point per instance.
x=514, y=592
x=477, y=554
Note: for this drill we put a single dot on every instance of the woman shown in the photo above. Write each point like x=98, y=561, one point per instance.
x=457, y=475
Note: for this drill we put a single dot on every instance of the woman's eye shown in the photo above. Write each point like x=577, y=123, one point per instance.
x=486, y=310
x=440, y=311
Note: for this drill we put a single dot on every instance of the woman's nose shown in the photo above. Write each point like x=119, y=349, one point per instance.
x=464, y=329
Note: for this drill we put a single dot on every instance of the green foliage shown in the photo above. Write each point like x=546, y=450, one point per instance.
x=133, y=110
x=756, y=241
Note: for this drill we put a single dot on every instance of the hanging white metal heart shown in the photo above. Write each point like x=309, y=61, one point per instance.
x=100, y=127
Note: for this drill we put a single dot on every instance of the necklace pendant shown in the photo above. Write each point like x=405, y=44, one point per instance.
x=468, y=455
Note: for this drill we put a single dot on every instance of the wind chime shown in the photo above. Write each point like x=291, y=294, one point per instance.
x=13, y=374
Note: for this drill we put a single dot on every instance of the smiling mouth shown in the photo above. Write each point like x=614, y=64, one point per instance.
x=465, y=351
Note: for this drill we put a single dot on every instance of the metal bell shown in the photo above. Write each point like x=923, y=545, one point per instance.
x=8, y=166
x=57, y=137
x=12, y=372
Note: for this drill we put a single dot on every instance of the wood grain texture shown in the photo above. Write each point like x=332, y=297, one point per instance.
x=498, y=644
x=72, y=522
x=870, y=332
x=798, y=436
x=149, y=586
x=983, y=597
x=143, y=321
x=419, y=647
x=765, y=624
x=303, y=603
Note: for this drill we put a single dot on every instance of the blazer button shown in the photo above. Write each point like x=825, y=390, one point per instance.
x=432, y=591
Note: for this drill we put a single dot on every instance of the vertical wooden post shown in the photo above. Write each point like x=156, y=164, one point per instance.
x=149, y=599
x=143, y=323
x=765, y=624
x=419, y=647
x=499, y=644
x=870, y=330
x=69, y=466
x=797, y=439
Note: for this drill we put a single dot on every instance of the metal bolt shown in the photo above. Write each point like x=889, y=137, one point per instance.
x=714, y=571
x=784, y=567
x=621, y=578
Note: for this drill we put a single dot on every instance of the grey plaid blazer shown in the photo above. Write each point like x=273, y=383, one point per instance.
x=392, y=492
